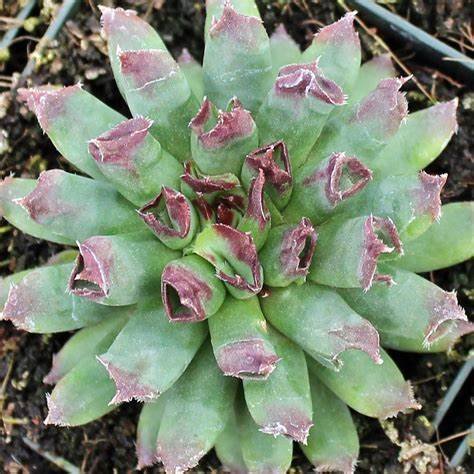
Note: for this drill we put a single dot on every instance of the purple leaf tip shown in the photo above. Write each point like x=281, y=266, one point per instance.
x=116, y=18
x=184, y=294
x=248, y=359
x=231, y=126
x=402, y=403
x=345, y=464
x=116, y=146
x=186, y=58
x=280, y=32
x=377, y=230
x=208, y=184
x=17, y=307
x=429, y=196
x=302, y=80
x=297, y=249
x=90, y=275
x=55, y=413
x=257, y=209
x=128, y=385
x=291, y=423
x=168, y=214
x=341, y=31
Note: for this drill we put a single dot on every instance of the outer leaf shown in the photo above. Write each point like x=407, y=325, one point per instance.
x=338, y=47
x=281, y=404
x=193, y=73
x=7, y=282
x=296, y=109
x=81, y=396
x=348, y=251
x=262, y=453
x=333, y=444
x=240, y=340
x=284, y=49
x=373, y=390
x=78, y=207
x=87, y=342
x=147, y=431
x=414, y=315
x=39, y=303
x=12, y=189
x=99, y=273
x=237, y=60
x=150, y=354
x=134, y=161
x=445, y=243
x=57, y=109
x=195, y=414
x=320, y=322
x=420, y=140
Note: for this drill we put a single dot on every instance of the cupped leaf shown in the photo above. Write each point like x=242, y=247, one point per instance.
x=288, y=252
x=78, y=207
x=240, y=340
x=348, y=251
x=190, y=289
x=71, y=117
x=333, y=444
x=296, y=109
x=192, y=70
x=149, y=354
x=237, y=60
x=379, y=391
x=445, y=243
x=196, y=412
x=283, y=48
x=281, y=404
x=414, y=315
x=133, y=161
x=221, y=139
x=99, y=275
x=320, y=322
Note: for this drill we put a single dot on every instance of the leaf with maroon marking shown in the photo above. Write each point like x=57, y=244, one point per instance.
x=98, y=272
x=57, y=109
x=195, y=413
x=320, y=188
x=333, y=444
x=190, y=290
x=220, y=139
x=78, y=207
x=134, y=161
x=284, y=49
x=337, y=47
x=288, y=252
x=348, y=251
x=234, y=256
x=149, y=354
x=274, y=161
x=171, y=217
x=296, y=109
x=337, y=328
x=240, y=340
x=193, y=73
x=237, y=60
x=379, y=391
x=281, y=404
x=420, y=140
x=414, y=315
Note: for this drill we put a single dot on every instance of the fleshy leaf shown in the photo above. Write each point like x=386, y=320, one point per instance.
x=6, y=283
x=234, y=256
x=56, y=109
x=348, y=251
x=240, y=339
x=281, y=404
x=221, y=139
x=134, y=161
x=78, y=207
x=378, y=391
x=445, y=243
x=195, y=413
x=193, y=73
x=296, y=109
x=320, y=322
x=284, y=49
x=414, y=315
x=288, y=252
x=190, y=290
x=98, y=272
x=333, y=444
x=149, y=354
x=237, y=60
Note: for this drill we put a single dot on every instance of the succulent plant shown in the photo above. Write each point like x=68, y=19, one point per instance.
x=241, y=256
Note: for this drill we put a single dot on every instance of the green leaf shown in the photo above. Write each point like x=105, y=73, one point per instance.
x=284, y=49
x=193, y=73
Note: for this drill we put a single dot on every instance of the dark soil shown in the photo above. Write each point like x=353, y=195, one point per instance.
x=107, y=445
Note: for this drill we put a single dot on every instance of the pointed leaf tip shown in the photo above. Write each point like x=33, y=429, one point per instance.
x=203, y=184
x=280, y=32
x=186, y=57
x=115, y=18
x=307, y=79
x=293, y=424
x=429, y=196
x=55, y=414
x=405, y=402
x=340, y=31
x=234, y=24
x=257, y=209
